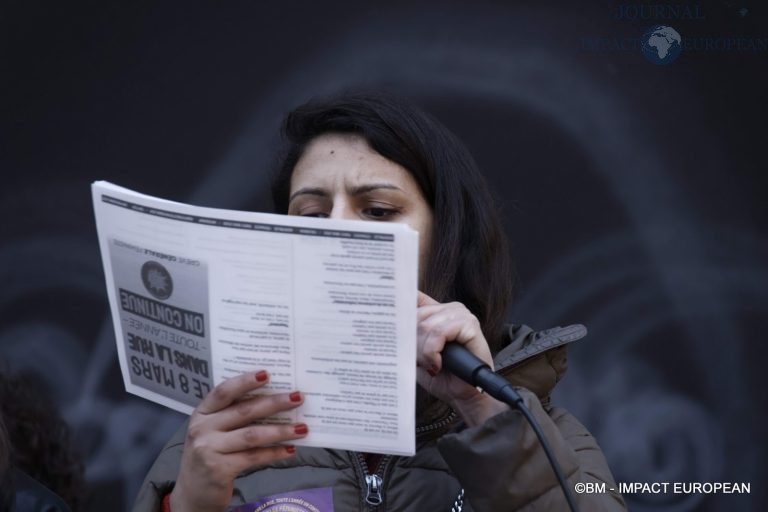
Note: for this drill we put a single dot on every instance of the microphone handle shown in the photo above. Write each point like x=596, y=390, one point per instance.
x=472, y=370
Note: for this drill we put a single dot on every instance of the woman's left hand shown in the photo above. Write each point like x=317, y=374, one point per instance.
x=439, y=324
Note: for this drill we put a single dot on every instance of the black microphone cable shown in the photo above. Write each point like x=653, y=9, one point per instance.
x=469, y=368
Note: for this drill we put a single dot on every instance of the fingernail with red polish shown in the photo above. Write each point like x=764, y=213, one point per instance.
x=295, y=396
x=300, y=429
x=290, y=448
x=261, y=376
x=431, y=372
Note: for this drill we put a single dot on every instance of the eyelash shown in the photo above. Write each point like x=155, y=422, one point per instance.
x=387, y=213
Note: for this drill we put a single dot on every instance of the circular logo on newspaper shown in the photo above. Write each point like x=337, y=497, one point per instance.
x=156, y=280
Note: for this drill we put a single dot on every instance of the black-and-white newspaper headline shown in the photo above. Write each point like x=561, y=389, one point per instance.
x=328, y=307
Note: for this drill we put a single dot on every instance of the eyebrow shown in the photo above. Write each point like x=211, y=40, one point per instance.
x=355, y=191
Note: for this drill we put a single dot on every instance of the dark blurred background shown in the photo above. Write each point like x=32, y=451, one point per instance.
x=634, y=193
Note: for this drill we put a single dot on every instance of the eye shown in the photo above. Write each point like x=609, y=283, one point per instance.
x=380, y=213
x=319, y=215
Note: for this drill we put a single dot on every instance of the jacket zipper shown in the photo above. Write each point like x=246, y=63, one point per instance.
x=374, y=483
x=443, y=423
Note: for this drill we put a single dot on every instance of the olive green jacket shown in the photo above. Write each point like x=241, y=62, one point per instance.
x=499, y=465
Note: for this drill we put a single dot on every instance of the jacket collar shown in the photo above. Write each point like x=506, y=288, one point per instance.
x=532, y=359
x=524, y=343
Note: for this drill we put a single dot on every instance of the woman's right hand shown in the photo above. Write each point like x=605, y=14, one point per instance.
x=222, y=442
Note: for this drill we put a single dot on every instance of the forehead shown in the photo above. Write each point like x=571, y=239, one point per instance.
x=346, y=160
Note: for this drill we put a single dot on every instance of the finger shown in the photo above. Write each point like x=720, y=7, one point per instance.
x=447, y=327
x=470, y=326
x=424, y=378
x=448, y=313
x=424, y=312
x=257, y=436
x=244, y=412
x=433, y=322
x=230, y=390
x=439, y=330
x=423, y=299
x=452, y=309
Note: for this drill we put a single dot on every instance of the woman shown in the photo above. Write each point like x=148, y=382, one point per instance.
x=36, y=457
x=375, y=157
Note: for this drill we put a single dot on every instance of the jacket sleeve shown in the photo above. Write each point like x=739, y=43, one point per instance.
x=502, y=466
x=162, y=475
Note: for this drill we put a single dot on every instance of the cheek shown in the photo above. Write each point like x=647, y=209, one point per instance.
x=424, y=249
x=424, y=243
x=424, y=227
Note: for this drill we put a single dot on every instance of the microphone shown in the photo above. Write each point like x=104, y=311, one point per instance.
x=471, y=369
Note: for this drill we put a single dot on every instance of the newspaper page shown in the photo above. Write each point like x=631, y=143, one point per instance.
x=328, y=307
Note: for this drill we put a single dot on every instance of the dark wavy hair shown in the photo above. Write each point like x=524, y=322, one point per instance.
x=40, y=440
x=469, y=259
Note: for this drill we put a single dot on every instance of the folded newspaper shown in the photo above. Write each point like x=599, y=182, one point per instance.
x=328, y=307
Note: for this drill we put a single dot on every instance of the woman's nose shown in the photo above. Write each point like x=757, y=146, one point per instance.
x=342, y=211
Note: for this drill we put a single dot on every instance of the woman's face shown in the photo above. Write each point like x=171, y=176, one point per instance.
x=340, y=177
